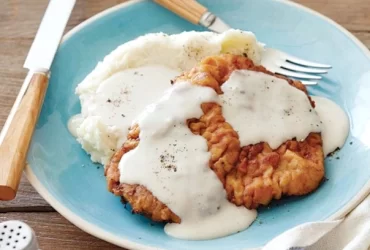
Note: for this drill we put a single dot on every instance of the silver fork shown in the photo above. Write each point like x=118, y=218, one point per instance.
x=281, y=63
x=274, y=60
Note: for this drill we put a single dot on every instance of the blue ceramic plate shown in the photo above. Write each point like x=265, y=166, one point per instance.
x=64, y=175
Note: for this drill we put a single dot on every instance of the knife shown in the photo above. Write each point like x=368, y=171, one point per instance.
x=195, y=13
x=17, y=132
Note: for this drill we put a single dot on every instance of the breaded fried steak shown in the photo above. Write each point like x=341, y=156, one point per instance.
x=252, y=175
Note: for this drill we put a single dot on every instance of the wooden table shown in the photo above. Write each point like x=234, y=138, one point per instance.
x=18, y=24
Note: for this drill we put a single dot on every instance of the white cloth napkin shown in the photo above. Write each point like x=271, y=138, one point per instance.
x=351, y=233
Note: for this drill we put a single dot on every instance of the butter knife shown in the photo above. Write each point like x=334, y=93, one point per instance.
x=17, y=132
x=195, y=13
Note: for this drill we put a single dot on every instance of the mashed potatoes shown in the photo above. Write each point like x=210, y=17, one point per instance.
x=136, y=74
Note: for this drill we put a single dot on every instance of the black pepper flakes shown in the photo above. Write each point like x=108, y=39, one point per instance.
x=167, y=161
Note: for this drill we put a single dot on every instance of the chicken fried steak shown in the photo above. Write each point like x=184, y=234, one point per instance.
x=252, y=175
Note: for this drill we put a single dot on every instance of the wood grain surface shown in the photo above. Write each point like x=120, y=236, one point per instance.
x=189, y=10
x=19, y=21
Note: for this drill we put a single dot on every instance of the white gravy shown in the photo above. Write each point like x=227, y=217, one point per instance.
x=264, y=108
x=73, y=123
x=172, y=163
x=335, y=124
x=117, y=101
x=120, y=98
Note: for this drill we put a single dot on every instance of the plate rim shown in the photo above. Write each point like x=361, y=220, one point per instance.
x=102, y=234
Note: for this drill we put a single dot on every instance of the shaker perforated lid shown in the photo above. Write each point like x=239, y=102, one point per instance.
x=17, y=235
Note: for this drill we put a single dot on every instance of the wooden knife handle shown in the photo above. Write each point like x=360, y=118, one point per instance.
x=189, y=9
x=13, y=150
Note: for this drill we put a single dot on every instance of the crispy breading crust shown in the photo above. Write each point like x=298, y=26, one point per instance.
x=262, y=174
x=141, y=199
x=252, y=175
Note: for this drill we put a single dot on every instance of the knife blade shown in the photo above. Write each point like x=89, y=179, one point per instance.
x=49, y=34
x=17, y=132
x=214, y=23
